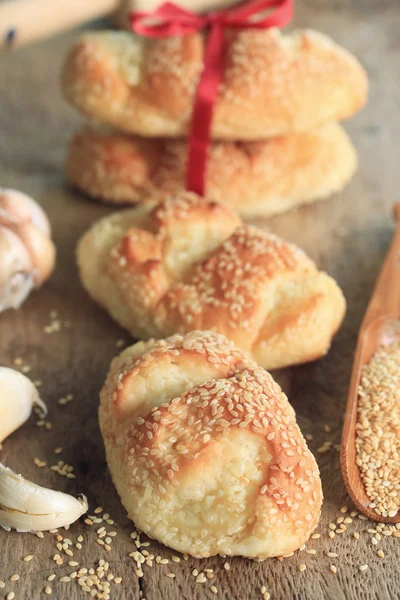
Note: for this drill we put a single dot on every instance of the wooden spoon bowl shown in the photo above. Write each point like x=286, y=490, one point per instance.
x=380, y=327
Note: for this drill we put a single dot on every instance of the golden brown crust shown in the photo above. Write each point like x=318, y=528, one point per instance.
x=205, y=451
x=256, y=178
x=191, y=264
x=272, y=84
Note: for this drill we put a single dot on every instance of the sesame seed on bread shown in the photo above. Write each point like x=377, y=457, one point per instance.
x=204, y=449
x=256, y=178
x=189, y=264
x=272, y=84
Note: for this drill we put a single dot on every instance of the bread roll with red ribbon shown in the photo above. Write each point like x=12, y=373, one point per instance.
x=189, y=263
x=272, y=84
x=27, y=253
x=255, y=178
x=204, y=449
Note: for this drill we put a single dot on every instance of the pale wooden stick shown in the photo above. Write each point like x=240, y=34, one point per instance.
x=24, y=21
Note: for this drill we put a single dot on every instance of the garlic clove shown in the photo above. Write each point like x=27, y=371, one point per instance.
x=16, y=270
x=20, y=209
x=26, y=506
x=17, y=397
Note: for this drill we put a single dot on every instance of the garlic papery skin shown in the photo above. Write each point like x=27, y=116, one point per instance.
x=41, y=250
x=16, y=270
x=17, y=397
x=20, y=208
x=27, y=253
x=26, y=506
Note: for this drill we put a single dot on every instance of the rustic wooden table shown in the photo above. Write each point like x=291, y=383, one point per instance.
x=347, y=235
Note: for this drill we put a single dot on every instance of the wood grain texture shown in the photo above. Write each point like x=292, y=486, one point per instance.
x=347, y=235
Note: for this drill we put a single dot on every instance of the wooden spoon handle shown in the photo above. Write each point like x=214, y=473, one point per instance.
x=23, y=21
x=385, y=301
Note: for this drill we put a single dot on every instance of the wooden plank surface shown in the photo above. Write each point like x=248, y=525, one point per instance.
x=347, y=235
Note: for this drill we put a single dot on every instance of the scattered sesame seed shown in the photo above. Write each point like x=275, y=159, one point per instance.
x=302, y=567
x=333, y=569
x=363, y=567
x=28, y=557
x=14, y=577
x=48, y=590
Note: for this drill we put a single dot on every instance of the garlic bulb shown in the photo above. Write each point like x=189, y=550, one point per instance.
x=25, y=506
x=27, y=253
x=17, y=397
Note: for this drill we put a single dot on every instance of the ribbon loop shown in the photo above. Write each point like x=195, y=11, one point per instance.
x=172, y=20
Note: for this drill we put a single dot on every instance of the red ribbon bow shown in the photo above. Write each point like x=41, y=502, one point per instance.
x=171, y=20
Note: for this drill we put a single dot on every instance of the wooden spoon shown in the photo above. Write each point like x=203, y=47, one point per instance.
x=380, y=326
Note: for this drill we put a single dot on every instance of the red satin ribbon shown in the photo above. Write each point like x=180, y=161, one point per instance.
x=171, y=20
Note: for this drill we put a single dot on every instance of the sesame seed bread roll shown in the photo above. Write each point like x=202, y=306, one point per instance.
x=189, y=264
x=256, y=178
x=204, y=449
x=272, y=84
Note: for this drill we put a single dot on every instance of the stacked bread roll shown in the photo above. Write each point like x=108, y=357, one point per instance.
x=275, y=144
